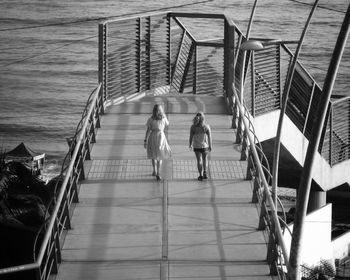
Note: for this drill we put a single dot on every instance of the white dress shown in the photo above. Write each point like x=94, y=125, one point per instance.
x=157, y=144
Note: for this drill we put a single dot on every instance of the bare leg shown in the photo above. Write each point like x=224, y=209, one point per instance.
x=154, y=167
x=159, y=165
x=199, y=162
x=205, y=165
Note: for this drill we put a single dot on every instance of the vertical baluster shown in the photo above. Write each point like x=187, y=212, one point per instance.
x=195, y=69
x=331, y=136
x=75, y=198
x=256, y=189
x=272, y=251
x=239, y=130
x=244, y=145
x=263, y=212
x=250, y=166
x=57, y=242
x=66, y=214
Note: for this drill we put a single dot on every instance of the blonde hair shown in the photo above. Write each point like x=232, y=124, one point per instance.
x=198, y=120
x=158, y=112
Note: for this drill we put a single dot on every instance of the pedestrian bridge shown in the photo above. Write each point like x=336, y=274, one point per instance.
x=127, y=225
x=113, y=220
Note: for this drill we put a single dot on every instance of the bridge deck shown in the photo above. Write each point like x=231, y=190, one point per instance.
x=129, y=226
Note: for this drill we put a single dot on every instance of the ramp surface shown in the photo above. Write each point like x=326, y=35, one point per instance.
x=127, y=225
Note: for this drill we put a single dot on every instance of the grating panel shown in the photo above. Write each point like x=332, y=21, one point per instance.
x=218, y=169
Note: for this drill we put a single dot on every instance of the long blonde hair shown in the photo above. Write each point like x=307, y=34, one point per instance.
x=158, y=112
x=198, y=120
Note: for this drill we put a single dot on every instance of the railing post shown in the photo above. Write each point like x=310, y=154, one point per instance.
x=92, y=129
x=102, y=59
x=253, y=82
x=169, y=74
x=256, y=189
x=239, y=130
x=100, y=99
x=86, y=145
x=75, y=198
x=67, y=224
x=234, y=113
x=270, y=246
x=81, y=167
x=148, y=52
x=330, y=136
x=272, y=251
x=229, y=57
x=263, y=213
x=195, y=69
x=250, y=166
x=57, y=243
x=97, y=117
x=54, y=255
x=139, y=54
x=244, y=145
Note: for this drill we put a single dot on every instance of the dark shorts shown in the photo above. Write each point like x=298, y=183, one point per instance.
x=201, y=150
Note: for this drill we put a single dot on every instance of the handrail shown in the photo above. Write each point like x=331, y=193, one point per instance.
x=264, y=182
x=53, y=217
x=339, y=100
x=65, y=181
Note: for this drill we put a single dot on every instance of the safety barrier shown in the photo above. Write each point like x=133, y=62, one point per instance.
x=259, y=171
x=265, y=74
x=48, y=258
x=148, y=52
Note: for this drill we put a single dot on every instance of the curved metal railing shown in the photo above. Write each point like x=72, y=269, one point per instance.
x=48, y=258
x=258, y=168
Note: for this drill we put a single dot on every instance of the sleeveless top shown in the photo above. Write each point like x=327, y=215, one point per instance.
x=200, y=136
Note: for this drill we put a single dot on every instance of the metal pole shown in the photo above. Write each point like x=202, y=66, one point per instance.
x=244, y=52
x=277, y=147
x=251, y=19
x=305, y=181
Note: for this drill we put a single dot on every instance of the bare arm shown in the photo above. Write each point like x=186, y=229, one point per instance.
x=191, y=137
x=166, y=120
x=148, y=131
x=209, y=138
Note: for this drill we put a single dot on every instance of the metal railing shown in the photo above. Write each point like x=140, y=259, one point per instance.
x=142, y=53
x=160, y=50
x=259, y=171
x=336, y=146
x=266, y=73
x=48, y=258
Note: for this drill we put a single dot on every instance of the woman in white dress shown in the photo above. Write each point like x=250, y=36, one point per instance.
x=155, y=141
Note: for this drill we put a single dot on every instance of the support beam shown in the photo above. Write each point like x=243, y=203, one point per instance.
x=294, y=271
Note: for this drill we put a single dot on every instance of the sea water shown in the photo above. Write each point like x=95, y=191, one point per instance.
x=49, y=51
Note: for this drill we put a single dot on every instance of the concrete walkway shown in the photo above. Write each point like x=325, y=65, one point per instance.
x=129, y=226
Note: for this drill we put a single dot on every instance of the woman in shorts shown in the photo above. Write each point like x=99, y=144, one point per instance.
x=201, y=143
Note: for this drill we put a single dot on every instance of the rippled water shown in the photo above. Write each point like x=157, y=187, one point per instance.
x=48, y=57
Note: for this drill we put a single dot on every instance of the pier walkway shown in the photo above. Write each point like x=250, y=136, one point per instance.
x=127, y=225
